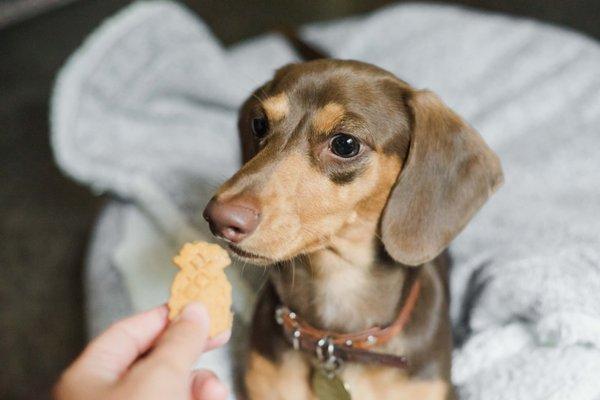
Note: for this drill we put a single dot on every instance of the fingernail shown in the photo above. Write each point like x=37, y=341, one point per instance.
x=218, y=340
x=195, y=312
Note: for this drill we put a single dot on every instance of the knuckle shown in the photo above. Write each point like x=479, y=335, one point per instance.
x=167, y=365
x=120, y=331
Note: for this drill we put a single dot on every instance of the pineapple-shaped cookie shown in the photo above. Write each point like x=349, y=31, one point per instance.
x=202, y=278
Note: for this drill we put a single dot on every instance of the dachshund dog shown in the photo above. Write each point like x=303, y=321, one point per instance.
x=354, y=184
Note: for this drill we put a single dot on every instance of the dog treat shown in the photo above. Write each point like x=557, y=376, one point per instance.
x=202, y=278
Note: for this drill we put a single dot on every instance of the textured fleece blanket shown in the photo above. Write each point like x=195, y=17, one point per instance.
x=146, y=110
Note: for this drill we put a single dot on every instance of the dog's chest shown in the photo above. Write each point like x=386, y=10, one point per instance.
x=340, y=297
x=336, y=295
x=352, y=299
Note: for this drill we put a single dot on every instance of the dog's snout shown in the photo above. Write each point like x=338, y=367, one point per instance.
x=232, y=221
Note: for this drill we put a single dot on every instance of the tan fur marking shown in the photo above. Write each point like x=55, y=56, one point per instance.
x=375, y=383
x=328, y=117
x=277, y=107
x=288, y=380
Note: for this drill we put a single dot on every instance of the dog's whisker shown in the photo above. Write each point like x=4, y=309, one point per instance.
x=261, y=101
x=293, y=261
x=244, y=267
x=264, y=278
x=248, y=77
x=318, y=236
x=263, y=91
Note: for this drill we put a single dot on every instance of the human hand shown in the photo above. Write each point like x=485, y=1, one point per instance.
x=145, y=357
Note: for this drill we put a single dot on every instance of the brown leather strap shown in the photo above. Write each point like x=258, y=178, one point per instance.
x=349, y=354
x=353, y=347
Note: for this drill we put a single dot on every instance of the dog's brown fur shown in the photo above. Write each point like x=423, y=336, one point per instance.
x=345, y=232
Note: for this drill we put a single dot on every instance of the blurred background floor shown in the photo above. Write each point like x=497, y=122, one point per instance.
x=45, y=219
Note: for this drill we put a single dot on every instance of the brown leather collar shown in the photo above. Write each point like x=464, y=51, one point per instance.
x=332, y=349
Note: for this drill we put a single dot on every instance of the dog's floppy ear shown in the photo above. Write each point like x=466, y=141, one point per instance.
x=448, y=174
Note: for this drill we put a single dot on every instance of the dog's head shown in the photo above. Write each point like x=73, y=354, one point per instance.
x=342, y=146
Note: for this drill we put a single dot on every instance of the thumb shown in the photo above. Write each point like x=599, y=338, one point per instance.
x=184, y=340
x=206, y=386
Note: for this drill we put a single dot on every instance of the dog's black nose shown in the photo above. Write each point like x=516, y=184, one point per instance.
x=234, y=220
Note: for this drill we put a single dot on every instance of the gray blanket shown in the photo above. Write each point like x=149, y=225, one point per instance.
x=146, y=111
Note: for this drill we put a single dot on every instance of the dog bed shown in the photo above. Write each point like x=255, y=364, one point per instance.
x=145, y=110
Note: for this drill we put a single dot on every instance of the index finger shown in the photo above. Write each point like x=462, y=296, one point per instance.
x=111, y=353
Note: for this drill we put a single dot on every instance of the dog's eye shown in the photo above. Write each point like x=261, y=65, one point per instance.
x=260, y=126
x=344, y=146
